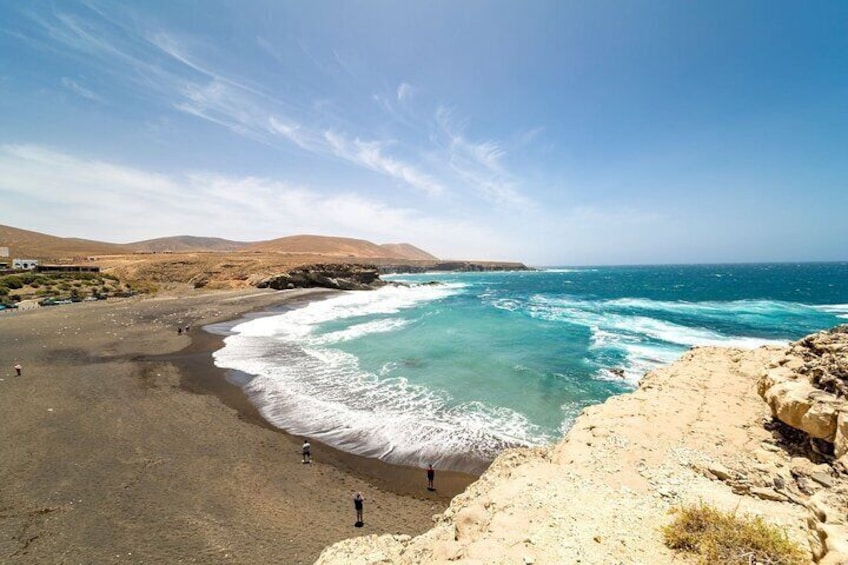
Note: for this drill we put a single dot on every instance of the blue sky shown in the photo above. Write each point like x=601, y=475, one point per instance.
x=547, y=132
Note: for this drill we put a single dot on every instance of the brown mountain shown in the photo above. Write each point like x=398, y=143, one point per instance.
x=186, y=244
x=407, y=251
x=344, y=247
x=35, y=245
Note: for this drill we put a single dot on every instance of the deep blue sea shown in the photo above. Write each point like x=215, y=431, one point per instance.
x=452, y=373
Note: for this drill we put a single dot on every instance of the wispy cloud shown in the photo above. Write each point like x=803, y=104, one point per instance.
x=370, y=154
x=478, y=164
x=64, y=194
x=183, y=73
x=294, y=132
x=404, y=91
x=485, y=153
x=79, y=89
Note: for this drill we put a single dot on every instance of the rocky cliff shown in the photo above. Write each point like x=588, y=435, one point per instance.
x=807, y=389
x=693, y=431
x=340, y=276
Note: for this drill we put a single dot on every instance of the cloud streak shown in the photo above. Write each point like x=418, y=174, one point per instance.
x=370, y=154
x=478, y=164
x=80, y=90
x=442, y=162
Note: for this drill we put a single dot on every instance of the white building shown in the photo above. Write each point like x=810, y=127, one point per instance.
x=26, y=264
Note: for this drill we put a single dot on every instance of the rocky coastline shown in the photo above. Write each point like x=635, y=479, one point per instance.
x=695, y=431
x=452, y=266
x=337, y=276
x=357, y=276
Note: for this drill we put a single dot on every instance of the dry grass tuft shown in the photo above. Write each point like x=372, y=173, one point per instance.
x=718, y=537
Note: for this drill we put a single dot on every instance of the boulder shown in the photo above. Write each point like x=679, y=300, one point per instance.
x=807, y=389
x=840, y=442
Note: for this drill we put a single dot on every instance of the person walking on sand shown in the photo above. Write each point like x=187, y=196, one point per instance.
x=358, y=499
x=307, y=455
x=431, y=474
x=18, y=369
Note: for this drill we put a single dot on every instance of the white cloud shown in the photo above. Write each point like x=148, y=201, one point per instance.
x=404, y=91
x=369, y=154
x=478, y=164
x=77, y=88
x=293, y=132
x=58, y=193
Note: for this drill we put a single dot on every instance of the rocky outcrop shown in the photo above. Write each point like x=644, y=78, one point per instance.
x=453, y=266
x=807, y=389
x=341, y=276
x=694, y=431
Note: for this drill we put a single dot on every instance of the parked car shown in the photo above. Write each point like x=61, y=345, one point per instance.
x=54, y=301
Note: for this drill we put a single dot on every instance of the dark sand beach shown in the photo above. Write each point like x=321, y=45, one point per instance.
x=122, y=443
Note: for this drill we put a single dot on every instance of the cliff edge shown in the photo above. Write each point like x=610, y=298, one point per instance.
x=694, y=431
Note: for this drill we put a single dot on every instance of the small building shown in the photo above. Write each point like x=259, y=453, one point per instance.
x=24, y=264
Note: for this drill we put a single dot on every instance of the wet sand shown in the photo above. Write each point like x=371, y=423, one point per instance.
x=123, y=443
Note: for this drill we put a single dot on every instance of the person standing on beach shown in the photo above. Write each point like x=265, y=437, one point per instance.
x=431, y=474
x=307, y=455
x=357, y=504
x=18, y=369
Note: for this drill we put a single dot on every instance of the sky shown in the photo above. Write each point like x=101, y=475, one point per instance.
x=553, y=133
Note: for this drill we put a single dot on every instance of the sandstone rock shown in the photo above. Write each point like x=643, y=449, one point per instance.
x=823, y=479
x=447, y=550
x=796, y=404
x=835, y=537
x=840, y=442
x=766, y=493
x=834, y=558
x=470, y=521
x=720, y=471
x=808, y=389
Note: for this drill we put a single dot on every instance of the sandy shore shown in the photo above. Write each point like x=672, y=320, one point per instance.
x=121, y=442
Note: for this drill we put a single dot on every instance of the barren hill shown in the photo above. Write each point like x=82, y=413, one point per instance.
x=407, y=251
x=186, y=244
x=35, y=245
x=331, y=246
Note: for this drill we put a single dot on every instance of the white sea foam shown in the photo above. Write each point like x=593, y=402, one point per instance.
x=840, y=310
x=305, y=386
x=568, y=270
x=360, y=330
x=648, y=342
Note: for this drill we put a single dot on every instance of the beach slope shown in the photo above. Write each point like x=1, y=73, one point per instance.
x=120, y=443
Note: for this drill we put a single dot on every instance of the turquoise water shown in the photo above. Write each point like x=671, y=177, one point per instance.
x=452, y=373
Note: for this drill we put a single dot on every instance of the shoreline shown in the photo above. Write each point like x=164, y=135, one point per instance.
x=122, y=442
x=695, y=432
x=200, y=375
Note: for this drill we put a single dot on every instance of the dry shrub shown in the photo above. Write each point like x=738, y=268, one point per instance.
x=719, y=537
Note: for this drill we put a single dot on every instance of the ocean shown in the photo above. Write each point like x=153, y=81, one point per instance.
x=455, y=367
